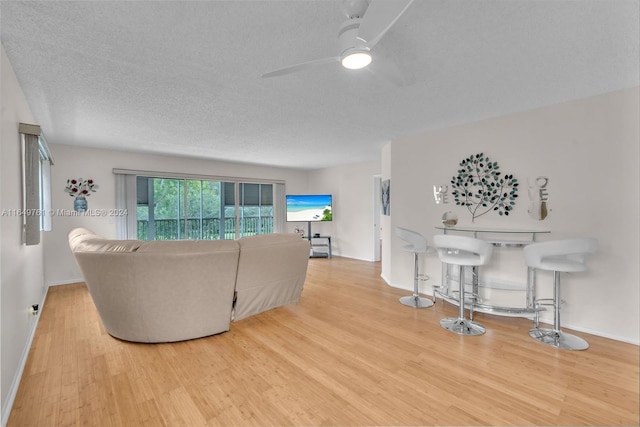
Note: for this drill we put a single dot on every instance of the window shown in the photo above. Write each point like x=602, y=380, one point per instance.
x=36, y=183
x=171, y=208
x=256, y=209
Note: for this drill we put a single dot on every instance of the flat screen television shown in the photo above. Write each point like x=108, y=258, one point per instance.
x=309, y=207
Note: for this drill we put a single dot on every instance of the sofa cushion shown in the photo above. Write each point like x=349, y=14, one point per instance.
x=187, y=246
x=271, y=272
x=85, y=240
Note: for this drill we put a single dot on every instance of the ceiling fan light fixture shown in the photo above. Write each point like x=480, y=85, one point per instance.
x=356, y=59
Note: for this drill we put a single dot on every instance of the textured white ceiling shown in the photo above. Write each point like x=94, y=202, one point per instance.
x=184, y=77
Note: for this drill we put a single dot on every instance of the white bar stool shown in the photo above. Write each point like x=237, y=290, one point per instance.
x=418, y=245
x=462, y=251
x=558, y=256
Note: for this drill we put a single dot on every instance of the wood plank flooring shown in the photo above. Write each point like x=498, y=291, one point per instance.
x=347, y=354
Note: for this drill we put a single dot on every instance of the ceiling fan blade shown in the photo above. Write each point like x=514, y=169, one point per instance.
x=391, y=73
x=379, y=17
x=391, y=67
x=300, y=67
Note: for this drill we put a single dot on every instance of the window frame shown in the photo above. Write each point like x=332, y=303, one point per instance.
x=36, y=183
x=127, y=227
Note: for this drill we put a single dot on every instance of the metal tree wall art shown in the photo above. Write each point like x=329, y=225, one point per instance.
x=482, y=188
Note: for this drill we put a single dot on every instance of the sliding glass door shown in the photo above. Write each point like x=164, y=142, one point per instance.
x=171, y=209
x=256, y=209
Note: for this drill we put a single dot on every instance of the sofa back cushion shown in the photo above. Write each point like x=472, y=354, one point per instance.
x=271, y=272
x=84, y=240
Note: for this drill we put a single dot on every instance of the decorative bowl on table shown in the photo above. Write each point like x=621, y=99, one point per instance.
x=449, y=219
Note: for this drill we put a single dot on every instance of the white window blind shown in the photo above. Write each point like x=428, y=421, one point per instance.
x=36, y=183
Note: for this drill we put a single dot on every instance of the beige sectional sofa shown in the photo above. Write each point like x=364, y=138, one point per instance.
x=164, y=291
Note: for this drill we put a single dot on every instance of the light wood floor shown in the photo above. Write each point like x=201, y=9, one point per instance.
x=347, y=354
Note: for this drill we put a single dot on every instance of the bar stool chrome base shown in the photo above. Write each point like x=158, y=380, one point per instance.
x=418, y=246
x=416, y=302
x=558, y=339
x=559, y=256
x=462, y=252
x=462, y=326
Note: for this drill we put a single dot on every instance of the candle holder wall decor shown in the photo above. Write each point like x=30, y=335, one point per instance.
x=80, y=189
x=385, y=195
x=538, y=196
x=440, y=194
x=482, y=188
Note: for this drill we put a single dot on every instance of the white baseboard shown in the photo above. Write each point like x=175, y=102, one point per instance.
x=594, y=332
x=385, y=279
x=13, y=390
x=409, y=288
x=66, y=282
x=568, y=326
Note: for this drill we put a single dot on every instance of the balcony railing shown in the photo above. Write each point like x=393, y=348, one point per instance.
x=205, y=228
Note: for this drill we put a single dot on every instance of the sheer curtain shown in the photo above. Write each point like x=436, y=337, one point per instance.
x=279, y=208
x=126, y=224
x=45, y=185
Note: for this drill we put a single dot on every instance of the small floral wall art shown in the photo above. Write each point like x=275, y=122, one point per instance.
x=80, y=189
x=482, y=188
x=385, y=193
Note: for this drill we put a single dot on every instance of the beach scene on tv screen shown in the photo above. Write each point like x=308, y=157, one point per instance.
x=309, y=208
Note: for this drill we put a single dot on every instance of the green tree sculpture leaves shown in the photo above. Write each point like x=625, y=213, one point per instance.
x=482, y=188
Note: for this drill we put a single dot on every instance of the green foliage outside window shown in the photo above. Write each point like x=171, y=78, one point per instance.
x=210, y=214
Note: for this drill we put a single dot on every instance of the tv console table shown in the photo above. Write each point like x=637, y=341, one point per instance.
x=501, y=238
x=325, y=245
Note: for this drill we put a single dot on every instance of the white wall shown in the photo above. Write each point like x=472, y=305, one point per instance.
x=385, y=220
x=21, y=272
x=589, y=149
x=350, y=185
x=352, y=188
x=98, y=164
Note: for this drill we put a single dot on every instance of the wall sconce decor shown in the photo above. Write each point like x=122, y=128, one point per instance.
x=482, y=188
x=80, y=189
x=538, y=195
x=440, y=194
x=385, y=195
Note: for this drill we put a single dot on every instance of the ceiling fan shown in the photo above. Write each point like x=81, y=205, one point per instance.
x=367, y=23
